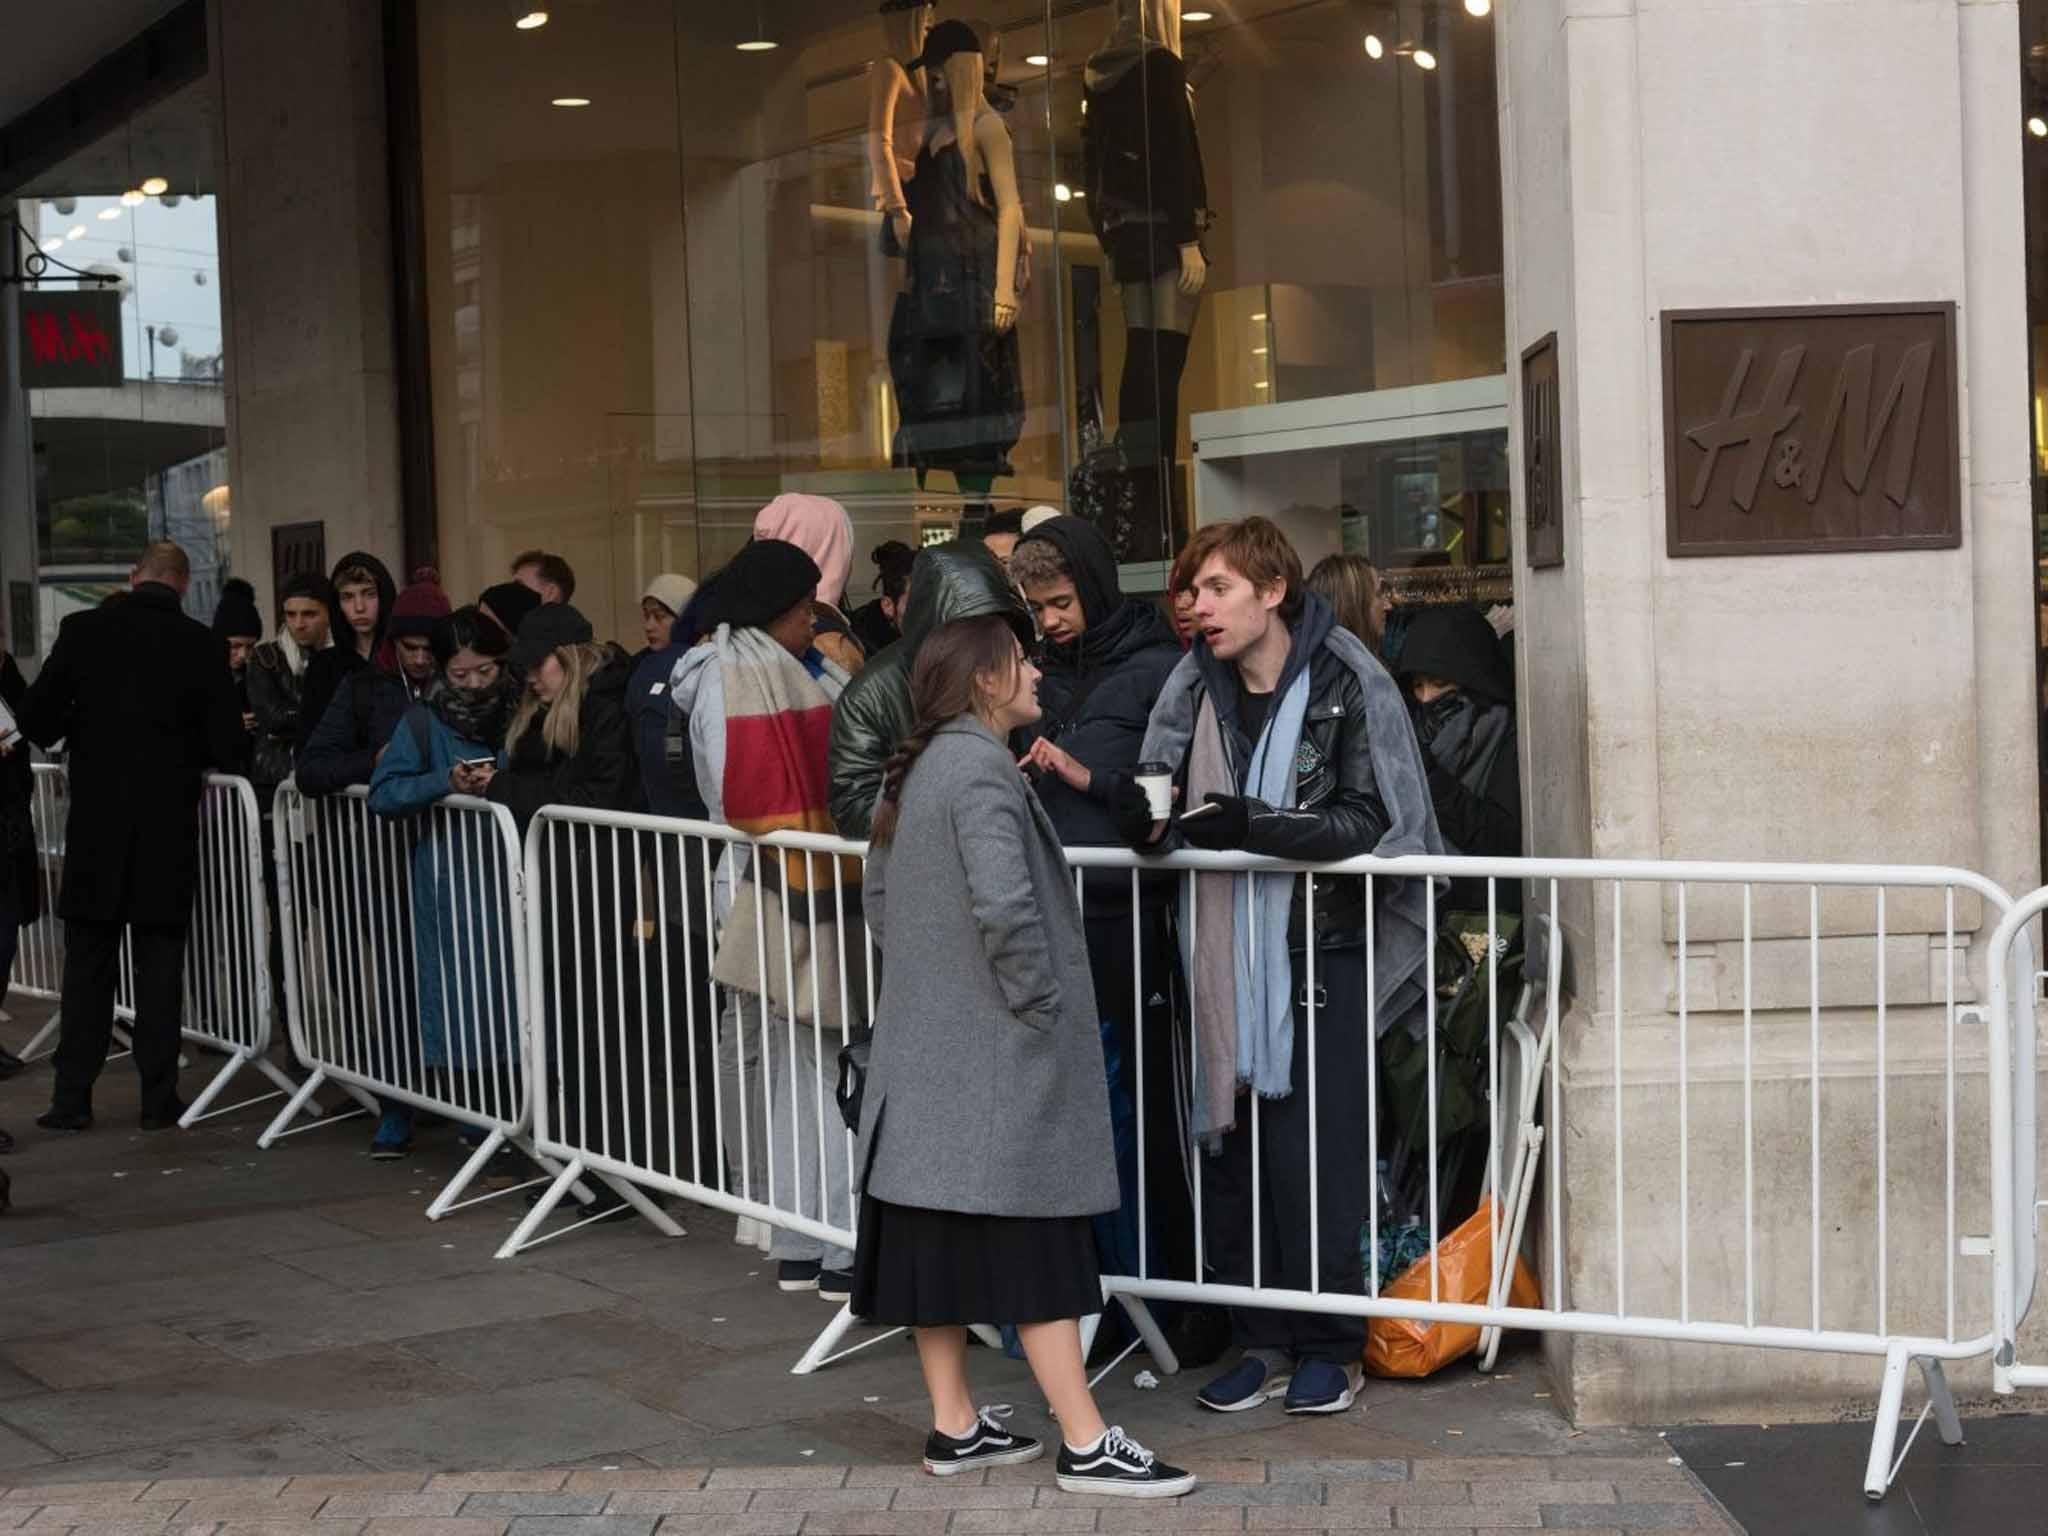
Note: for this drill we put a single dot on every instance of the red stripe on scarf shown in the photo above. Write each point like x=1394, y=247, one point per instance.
x=776, y=769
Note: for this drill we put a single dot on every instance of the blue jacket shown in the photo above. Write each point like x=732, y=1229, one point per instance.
x=462, y=939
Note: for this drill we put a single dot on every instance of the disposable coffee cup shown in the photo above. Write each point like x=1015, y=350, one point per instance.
x=1156, y=780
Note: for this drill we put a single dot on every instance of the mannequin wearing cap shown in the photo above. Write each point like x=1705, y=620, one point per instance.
x=953, y=353
x=1148, y=202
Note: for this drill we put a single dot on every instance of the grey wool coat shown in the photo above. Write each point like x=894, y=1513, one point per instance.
x=986, y=1092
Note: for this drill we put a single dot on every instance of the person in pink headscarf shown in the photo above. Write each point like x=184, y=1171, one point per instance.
x=819, y=527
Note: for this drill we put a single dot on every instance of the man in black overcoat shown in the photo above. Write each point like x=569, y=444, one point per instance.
x=142, y=697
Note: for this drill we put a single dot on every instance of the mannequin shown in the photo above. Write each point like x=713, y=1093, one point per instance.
x=953, y=352
x=895, y=94
x=1148, y=202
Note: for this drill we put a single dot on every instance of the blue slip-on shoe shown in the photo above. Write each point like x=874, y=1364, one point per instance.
x=1253, y=1380
x=1322, y=1386
x=394, y=1136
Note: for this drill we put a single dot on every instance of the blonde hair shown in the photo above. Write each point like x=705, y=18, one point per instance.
x=1351, y=586
x=562, y=731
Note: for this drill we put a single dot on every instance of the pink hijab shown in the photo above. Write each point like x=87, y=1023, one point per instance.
x=819, y=527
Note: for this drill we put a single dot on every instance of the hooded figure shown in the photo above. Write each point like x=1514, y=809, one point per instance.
x=324, y=675
x=947, y=582
x=343, y=746
x=236, y=618
x=1463, y=705
x=820, y=528
x=277, y=678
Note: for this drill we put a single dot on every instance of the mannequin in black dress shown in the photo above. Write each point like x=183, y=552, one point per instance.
x=953, y=353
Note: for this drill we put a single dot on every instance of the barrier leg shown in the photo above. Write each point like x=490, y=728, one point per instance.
x=1090, y=1326
x=989, y=1334
x=201, y=1107
x=1884, y=1434
x=522, y=1235
x=290, y=1112
x=825, y=1348
x=1947, y=1422
x=450, y=1198
x=661, y=1221
x=285, y=1085
x=34, y=1051
x=1141, y=1317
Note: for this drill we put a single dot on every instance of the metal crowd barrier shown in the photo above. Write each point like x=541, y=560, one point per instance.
x=1848, y=983
x=404, y=964
x=227, y=1006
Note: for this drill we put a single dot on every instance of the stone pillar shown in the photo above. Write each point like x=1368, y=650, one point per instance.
x=306, y=271
x=1868, y=707
x=17, y=473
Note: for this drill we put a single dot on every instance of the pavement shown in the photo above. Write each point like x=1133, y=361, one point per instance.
x=198, y=1335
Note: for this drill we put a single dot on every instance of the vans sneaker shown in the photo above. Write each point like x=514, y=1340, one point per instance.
x=988, y=1444
x=1117, y=1465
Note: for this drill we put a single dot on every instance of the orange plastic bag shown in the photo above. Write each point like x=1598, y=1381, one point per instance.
x=1401, y=1346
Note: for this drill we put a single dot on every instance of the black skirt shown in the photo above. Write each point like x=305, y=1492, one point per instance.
x=932, y=1269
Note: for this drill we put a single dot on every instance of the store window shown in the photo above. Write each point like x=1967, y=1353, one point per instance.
x=117, y=465
x=1197, y=261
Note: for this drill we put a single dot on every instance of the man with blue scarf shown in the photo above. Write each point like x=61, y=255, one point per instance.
x=1287, y=738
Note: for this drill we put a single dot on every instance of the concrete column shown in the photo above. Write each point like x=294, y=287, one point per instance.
x=17, y=473
x=305, y=238
x=1662, y=155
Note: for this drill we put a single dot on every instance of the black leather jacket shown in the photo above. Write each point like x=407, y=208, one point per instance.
x=949, y=581
x=1337, y=814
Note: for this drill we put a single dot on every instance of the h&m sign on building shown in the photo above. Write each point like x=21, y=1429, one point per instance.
x=70, y=340
x=1810, y=430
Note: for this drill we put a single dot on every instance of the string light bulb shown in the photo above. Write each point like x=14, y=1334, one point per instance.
x=531, y=20
x=155, y=186
x=1374, y=48
x=2038, y=127
x=1424, y=59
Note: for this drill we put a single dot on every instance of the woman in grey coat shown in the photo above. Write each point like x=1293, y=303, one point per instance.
x=985, y=1138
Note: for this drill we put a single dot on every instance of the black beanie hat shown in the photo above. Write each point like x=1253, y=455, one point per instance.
x=760, y=584
x=510, y=602
x=235, y=616
x=546, y=630
x=309, y=584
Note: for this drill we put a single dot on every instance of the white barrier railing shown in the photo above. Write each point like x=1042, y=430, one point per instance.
x=404, y=962
x=226, y=1004
x=1802, y=963
x=2014, y=1121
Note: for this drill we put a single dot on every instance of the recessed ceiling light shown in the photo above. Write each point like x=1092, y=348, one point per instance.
x=1062, y=193
x=131, y=198
x=155, y=186
x=1374, y=48
x=757, y=45
x=1197, y=15
x=571, y=101
x=2038, y=127
x=1038, y=60
x=110, y=213
x=1260, y=384
x=1478, y=7
x=75, y=232
x=1259, y=318
x=532, y=19
x=1424, y=59
x=1258, y=351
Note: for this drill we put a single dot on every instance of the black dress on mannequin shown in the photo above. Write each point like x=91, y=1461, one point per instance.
x=959, y=381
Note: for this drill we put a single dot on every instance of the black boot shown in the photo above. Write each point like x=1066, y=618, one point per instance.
x=11, y=1065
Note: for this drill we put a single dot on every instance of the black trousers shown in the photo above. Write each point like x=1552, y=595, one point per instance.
x=1283, y=1234
x=92, y=958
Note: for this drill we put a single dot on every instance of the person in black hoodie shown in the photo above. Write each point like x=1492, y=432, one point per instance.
x=237, y=622
x=364, y=593
x=1463, y=703
x=1104, y=659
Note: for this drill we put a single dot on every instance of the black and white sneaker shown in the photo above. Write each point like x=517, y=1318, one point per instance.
x=1117, y=1465
x=988, y=1444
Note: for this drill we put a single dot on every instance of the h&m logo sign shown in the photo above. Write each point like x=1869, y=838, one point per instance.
x=1796, y=431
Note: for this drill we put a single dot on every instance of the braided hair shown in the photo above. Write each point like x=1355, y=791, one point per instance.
x=959, y=666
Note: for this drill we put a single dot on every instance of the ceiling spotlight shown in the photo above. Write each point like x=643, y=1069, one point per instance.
x=1040, y=60
x=532, y=19
x=110, y=213
x=570, y=101
x=75, y=232
x=1478, y=7
x=1197, y=15
x=2038, y=127
x=155, y=186
x=757, y=45
x=1062, y=193
x=1259, y=318
x=131, y=198
x=1424, y=59
x=1374, y=48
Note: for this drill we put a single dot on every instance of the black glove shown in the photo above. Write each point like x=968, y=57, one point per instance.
x=1225, y=827
x=1133, y=813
